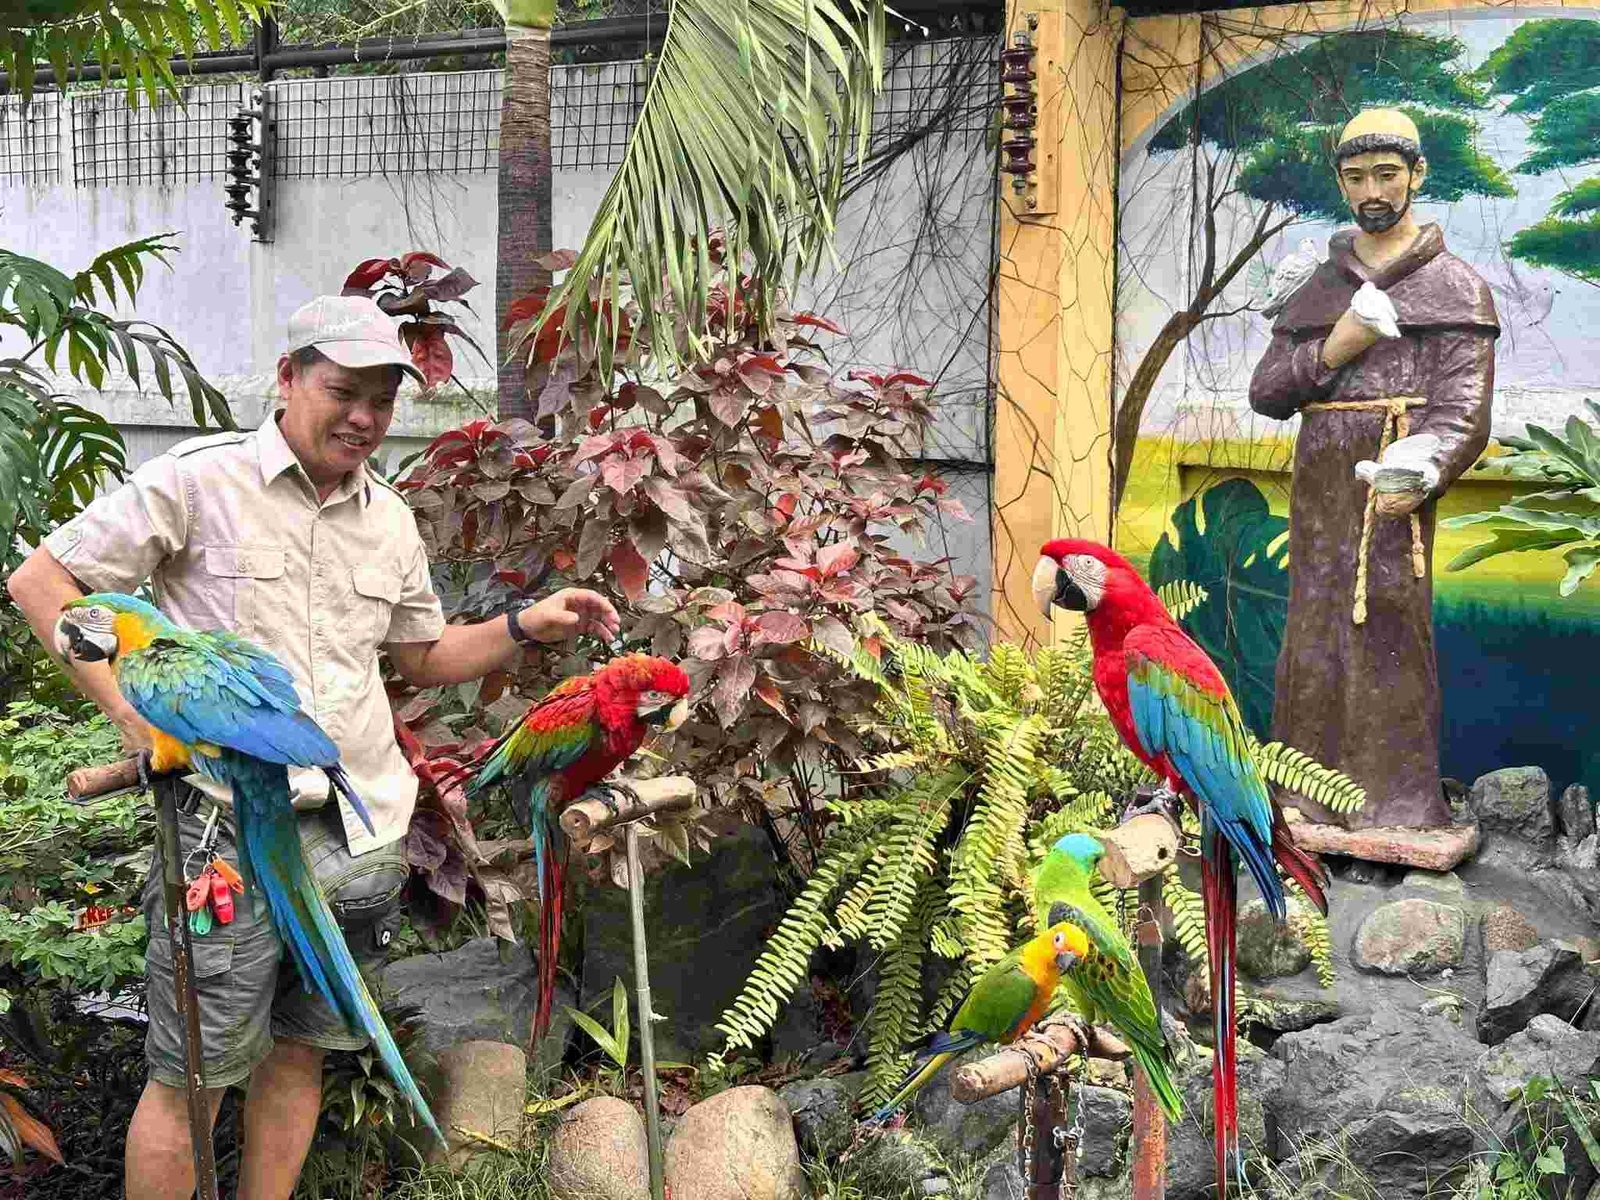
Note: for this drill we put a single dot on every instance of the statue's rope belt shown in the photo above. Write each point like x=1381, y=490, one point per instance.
x=1396, y=423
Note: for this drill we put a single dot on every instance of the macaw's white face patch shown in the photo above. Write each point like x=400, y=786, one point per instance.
x=1088, y=575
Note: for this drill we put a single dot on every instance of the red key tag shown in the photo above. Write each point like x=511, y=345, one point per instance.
x=221, y=899
x=199, y=892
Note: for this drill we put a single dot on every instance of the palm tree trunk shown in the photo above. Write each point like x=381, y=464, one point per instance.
x=524, y=194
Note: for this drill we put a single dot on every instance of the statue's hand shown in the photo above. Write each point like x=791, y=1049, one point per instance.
x=1400, y=504
x=1349, y=339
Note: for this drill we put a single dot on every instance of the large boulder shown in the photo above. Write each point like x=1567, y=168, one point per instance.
x=1548, y=978
x=821, y=1111
x=1107, y=1122
x=1575, y=813
x=485, y=990
x=1411, y=937
x=705, y=926
x=1266, y=949
x=1514, y=1074
x=736, y=1145
x=1390, y=1087
x=1191, y=1163
x=1515, y=802
x=482, y=1087
x=599, y=1151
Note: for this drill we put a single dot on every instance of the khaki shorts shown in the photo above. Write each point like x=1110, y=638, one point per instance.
x=249, y=989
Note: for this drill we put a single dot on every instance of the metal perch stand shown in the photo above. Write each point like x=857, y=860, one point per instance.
x=582, y=821
x=1137, y=854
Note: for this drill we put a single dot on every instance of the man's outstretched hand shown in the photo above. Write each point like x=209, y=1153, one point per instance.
x=570, y=613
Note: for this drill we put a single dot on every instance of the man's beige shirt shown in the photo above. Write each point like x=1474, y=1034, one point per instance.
x=230, y=533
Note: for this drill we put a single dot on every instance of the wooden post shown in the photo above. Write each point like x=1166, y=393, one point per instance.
x=1053, y=307
x=1049, y=1159
x=1049, y=1046
x=647, y=1043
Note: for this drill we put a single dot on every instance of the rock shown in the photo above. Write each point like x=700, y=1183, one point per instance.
x=1444, y=887
x=1431, y=849
x=937, y=1186
x=1505, y=928
x=1287, y=1016
x=1266, y=949
x=896, y=1161
x=1002, y=1181
x=969, y=1129
x=1575, y=813
x=483, y=1087
x=705, y=925
x=599, y=1152
x=1583, y=856
x=1107, y=1122
x=821, y=1111
x=1548, y=1046
x=736, y=1145
x=1448, y=1007
x=473, y=994
x=1549, y=978
x=1515, y=801
x=1390, y=1154
x=1411, y=937
x=1392, y=1085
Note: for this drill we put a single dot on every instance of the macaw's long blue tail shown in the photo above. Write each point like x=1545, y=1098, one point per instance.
x=271, y=861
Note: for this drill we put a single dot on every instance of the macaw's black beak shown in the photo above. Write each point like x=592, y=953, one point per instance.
x=73, y=643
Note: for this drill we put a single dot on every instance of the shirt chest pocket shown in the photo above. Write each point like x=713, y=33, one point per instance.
x=246, y=585
x=376, y=592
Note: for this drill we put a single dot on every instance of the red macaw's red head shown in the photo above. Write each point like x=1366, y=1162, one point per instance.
x=1081, y=575
x=642, y=688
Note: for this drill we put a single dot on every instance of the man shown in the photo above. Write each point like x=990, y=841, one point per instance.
x=286, y=537
x=1357, y=683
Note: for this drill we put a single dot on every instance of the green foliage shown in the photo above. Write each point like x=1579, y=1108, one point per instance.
x=1228, y=543
x=613, y=1041
x=1289, y=768
x=1554, y=1125
x=139, y=36
x=1567, y=515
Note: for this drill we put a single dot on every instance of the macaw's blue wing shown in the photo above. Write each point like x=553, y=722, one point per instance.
x=216, y=689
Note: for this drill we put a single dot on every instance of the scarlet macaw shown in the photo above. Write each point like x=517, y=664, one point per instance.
x=563, y=745
x=1107, y=985
x=1172, y=709
x=1002, y=1006
x=228, y=710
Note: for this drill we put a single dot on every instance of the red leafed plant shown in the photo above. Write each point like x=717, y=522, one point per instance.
x=19, y=1128
x=742, y=517
x=406, y=287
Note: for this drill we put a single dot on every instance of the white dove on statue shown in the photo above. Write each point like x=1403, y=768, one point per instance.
x=1289, y=275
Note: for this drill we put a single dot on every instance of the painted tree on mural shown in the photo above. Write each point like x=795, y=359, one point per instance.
x=1261, y=143
x=1552, y=71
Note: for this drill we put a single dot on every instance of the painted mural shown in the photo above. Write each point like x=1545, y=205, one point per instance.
x=1228, y=126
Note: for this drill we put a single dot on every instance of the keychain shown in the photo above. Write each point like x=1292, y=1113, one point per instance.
x=200, y=898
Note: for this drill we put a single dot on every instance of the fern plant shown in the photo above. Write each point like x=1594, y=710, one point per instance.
x=977, y=767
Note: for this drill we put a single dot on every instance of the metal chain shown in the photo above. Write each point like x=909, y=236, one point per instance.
x=1025, y=1129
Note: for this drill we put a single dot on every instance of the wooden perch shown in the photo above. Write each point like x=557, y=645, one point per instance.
x=670, y=793
x=1142, y=849
x=88, y=782
x=1048, y=1045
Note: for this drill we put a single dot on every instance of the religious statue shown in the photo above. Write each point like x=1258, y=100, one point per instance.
x=1387, y=353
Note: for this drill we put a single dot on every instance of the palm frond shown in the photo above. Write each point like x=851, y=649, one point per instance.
x=753, y=111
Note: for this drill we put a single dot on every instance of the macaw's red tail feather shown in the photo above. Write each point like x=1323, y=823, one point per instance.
x=549, y=939
x=1219, y=888
x=1304, y=868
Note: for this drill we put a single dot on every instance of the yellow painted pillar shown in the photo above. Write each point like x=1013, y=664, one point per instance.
x=1054, y=298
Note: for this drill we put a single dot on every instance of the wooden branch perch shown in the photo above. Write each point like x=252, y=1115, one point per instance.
x=1143, y=848
x=1048, y=1045
x=88, y=782
x=669, y=793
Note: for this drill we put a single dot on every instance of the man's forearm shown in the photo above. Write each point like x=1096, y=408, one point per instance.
x=462, y=653
x=41, y=586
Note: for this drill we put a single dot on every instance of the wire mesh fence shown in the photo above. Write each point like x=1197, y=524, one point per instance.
x=30, y=140
x=170, y=141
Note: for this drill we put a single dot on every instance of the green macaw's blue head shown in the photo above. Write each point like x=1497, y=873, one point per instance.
x=87, y=629
x=1081, y=849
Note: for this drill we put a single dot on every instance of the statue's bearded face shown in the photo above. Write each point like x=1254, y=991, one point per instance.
x=1379, y=186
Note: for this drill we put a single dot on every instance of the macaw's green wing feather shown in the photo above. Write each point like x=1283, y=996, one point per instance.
x=553, y=734
x=998, y=1002
x=1182, y=709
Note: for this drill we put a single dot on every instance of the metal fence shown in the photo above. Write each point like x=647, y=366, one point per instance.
x=416, y=122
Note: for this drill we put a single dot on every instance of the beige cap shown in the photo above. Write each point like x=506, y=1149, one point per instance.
x=1383, y=122
x=352, y=331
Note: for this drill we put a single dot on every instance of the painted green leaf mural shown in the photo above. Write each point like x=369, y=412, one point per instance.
x=1232, y=545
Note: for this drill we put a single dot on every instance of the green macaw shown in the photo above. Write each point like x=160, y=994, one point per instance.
x=1106, y=985
x=1002, y=1006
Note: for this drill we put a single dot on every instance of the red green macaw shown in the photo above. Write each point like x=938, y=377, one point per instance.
x=1006, y=1002
x=1107, y=986
x=227, y=709
x=1172, y=709
x=563, y=745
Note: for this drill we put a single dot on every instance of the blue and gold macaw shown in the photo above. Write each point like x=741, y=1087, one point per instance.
x=228, y=710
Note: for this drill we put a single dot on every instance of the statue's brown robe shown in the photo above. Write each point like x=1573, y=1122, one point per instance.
x=1365, y=698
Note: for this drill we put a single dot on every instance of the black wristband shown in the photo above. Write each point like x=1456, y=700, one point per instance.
x=514, y=627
